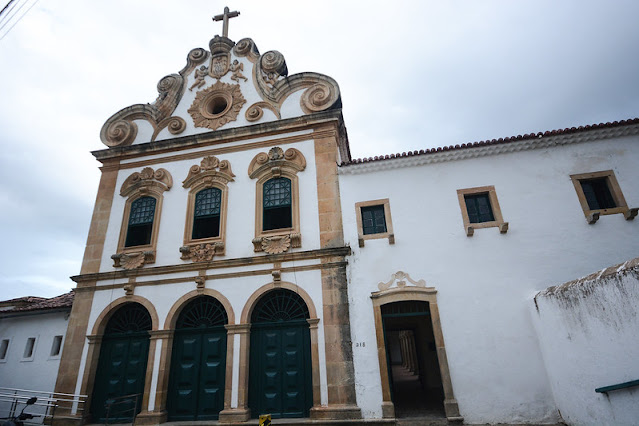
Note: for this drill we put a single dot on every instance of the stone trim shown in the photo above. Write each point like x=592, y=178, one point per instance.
x=615, y=190
x=494, y=205
x=211, y=173
x=176, y=308
x=274, y=164
x=218, y=264
x=147, y=183
x=409, y=293
x=390, y=234
x=245, y=317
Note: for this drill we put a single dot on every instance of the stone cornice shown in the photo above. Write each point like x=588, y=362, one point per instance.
x=216, y=264
x=540, y=142
x=306, y=122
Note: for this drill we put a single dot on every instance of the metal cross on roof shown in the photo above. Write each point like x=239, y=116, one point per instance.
x=225, y=20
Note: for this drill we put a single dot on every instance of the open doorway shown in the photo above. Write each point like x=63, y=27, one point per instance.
x=411, y=353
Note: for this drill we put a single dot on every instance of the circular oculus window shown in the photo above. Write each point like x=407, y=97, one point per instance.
x=216, y=104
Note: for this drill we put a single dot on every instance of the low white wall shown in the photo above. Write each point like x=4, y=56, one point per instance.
x=588, y=333
x=38, y=372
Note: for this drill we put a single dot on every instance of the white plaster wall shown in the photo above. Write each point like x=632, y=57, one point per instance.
x=39, y=372
x=484, y=282
x=588, y=337
x=240, y=219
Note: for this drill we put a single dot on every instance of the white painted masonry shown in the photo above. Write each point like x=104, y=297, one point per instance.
x=484, y=282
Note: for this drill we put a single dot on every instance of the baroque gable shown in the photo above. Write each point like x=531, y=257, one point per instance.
x=228, y=85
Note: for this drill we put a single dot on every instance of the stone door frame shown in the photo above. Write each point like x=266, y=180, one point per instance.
x=404, y=294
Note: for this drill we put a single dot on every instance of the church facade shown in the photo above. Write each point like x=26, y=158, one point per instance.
x=240, y=262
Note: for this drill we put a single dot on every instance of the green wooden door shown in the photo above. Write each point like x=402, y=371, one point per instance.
x=196, y=389
x=122, y=364
x=280, y=380
x=198, y=362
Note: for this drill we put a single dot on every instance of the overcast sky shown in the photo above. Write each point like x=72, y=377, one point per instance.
x=412, y=74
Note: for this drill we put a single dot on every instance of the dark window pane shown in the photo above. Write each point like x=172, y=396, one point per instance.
x=206, y=220
x=373, y=220
x=598, y=193
x=277, y=204
x=140, y=222
x=479, y=208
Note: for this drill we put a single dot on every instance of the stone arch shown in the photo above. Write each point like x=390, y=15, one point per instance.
x=402, y=294
x=245, y=318
x=106, y=314
x=176, y=309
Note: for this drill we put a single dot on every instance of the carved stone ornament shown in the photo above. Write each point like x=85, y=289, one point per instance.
x=401, y=278
x=256, y=111
x=128, y=289
x=217, y=105
x=200, y=282
x=147, y=180
x=277, y=243
x=201, y=252
x=220, y=56
x=133, y=260
x=210, y=169
x=275, y=160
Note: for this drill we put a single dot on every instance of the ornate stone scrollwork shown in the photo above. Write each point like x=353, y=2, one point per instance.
x=176, y=125
x=276, y=158
x=201, y=252
x=210, y=169
x=273, y=66
x=246, y=47
x=217, y=105
x=318, y=97
x=256, y=111
x=133, y=260
x=400, y=277
x=277, y=243
x=147, y=180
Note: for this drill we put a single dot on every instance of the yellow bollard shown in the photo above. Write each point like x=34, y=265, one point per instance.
x=265, y=420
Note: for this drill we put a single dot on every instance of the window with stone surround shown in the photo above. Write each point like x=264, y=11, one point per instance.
x=480, y=209
x=277, y=218
x=374, y=221
x=599, y=194
x=4, y=349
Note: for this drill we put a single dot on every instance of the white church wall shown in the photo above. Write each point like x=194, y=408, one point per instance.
x=240, y=219
x=587, y=331
x=484, y=281
x=39, y=371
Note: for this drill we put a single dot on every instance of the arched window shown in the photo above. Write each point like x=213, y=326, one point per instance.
x=206, y=217
x=277, y=206
x=277, y=212
x=140, y=225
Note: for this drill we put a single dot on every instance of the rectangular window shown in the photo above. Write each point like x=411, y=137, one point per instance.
x=28, y=349
x=480, y=209
x=4, y=348
x=56, y=346
x=374, y=221
x=599, y=194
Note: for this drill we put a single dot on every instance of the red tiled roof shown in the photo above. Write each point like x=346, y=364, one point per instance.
x=40, y=303
x=510, y=139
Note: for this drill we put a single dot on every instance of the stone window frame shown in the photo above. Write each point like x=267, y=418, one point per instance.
x=148, y=183
x=498, y=221
x=361, y=237
x=264, y=167
x=592, y=215
x=211, y=173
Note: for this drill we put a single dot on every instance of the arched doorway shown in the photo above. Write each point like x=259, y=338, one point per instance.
x=198, y=362
x=122, y=363
x=280, y=381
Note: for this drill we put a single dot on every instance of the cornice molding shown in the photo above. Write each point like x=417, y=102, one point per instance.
x=540, y=142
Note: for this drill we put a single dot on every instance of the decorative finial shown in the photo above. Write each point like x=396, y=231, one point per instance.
x=225, y=20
